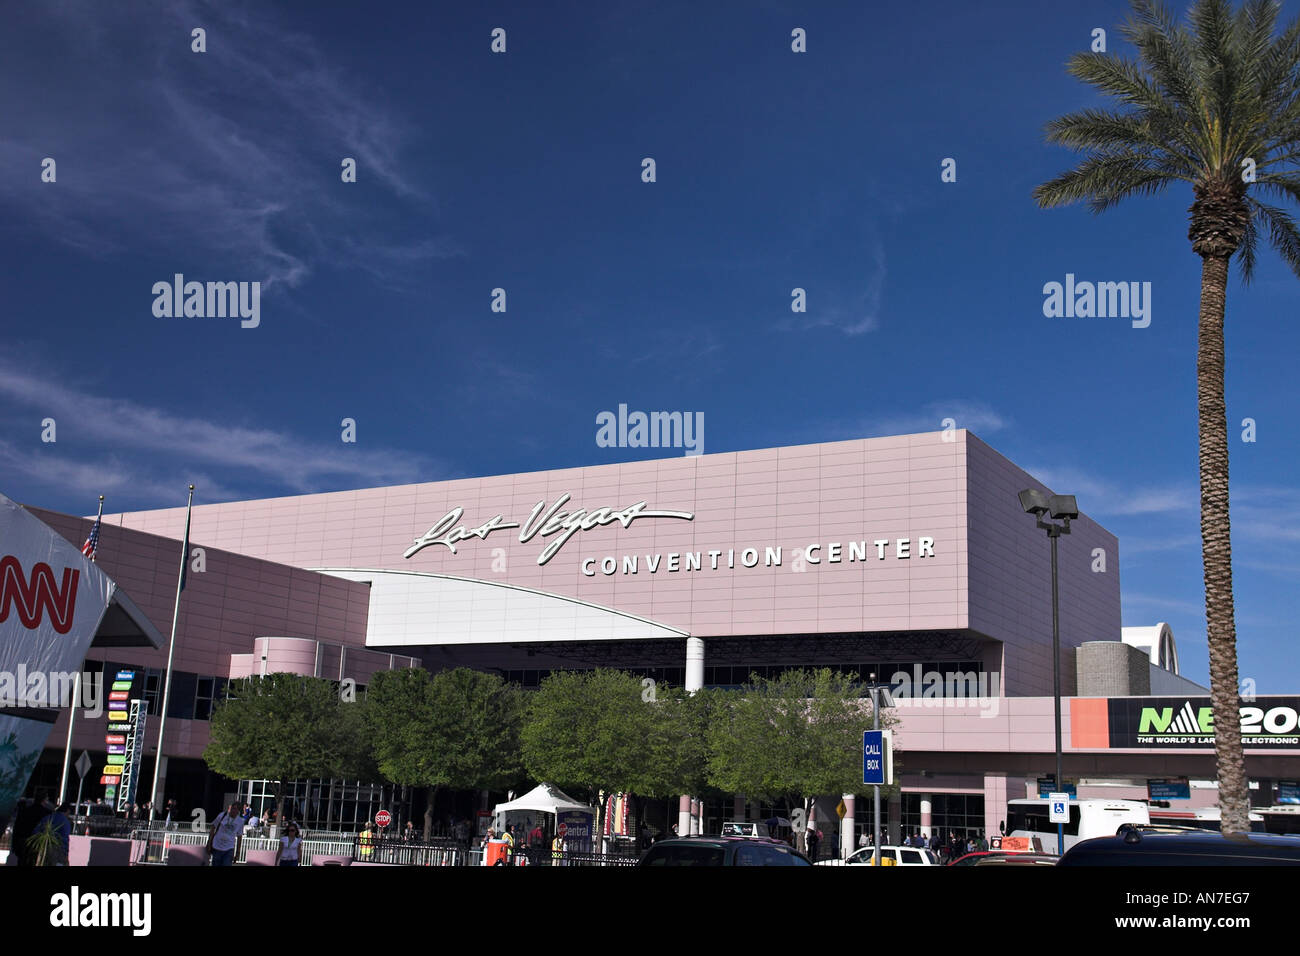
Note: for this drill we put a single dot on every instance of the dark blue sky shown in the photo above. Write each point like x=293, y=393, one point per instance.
x=775, y=170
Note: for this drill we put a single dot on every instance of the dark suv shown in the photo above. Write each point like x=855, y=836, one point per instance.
x=722, y=851
x=1158, y=846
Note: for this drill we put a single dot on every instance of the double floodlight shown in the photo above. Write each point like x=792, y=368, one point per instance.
x=1038, y=504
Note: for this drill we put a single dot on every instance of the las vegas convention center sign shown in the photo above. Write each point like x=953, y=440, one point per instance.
x=556, y=527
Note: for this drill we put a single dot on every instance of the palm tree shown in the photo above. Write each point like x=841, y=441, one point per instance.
x=1216, y=104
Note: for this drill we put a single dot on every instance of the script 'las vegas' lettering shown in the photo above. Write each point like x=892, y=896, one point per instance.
x=543, y=522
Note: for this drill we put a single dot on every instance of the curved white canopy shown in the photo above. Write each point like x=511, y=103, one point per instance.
x=544, y=798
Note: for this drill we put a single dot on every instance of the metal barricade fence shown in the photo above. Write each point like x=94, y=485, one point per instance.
x=152, y=845
x=150, y=848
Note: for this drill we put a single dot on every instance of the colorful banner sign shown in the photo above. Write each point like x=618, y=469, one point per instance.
x=1178, y=723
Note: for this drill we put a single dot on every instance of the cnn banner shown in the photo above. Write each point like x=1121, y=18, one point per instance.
x=51, y=602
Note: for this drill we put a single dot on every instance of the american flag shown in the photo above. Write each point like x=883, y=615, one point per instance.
x=92, y=543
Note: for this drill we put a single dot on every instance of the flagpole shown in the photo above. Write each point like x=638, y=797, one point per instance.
x=171, y=653
x=76, y=694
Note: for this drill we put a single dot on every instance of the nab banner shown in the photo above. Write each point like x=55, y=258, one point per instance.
x=1267, y=723
x=52, y=599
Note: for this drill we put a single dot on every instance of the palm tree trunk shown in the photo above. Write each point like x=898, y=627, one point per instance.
x=1216, y=550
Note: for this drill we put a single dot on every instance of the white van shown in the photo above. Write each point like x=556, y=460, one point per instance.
x=1088, y=819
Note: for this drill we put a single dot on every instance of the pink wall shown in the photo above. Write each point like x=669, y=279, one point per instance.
x=902, y=487
x=223, y=609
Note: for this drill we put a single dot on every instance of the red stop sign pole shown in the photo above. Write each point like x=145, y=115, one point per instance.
x=383, y=818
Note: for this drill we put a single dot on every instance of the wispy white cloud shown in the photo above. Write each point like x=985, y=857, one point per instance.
x=978, y=417
x=156, y=157
x=146, y=450
x=853, y=312
x=1138, y=545
x=1103, y=496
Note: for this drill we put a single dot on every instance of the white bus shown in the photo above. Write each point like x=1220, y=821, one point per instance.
x=1202, y=818
x=1088, y=818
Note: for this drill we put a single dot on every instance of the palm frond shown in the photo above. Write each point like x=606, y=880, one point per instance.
x=1282, y=232
x=1102, y=180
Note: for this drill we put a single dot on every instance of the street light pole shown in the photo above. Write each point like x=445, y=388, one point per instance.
x=1065, y=508
x=1054, y=535
x=875, y=725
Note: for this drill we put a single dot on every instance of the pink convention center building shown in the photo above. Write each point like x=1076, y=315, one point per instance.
x=903, y=557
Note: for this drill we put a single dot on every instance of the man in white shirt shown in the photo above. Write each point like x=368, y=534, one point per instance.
x=227, y=835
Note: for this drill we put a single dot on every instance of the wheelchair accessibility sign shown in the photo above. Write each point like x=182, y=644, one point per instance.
x=1058, y=806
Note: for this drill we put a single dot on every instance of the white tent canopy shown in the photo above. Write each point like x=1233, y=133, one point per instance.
x=543, y=798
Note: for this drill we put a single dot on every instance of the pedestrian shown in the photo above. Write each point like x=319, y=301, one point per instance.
x=814, y=838
x=536, y=843
x=408, y=835
x=509, y=837
x=365, y=843
x=226, y=836
x=290, y=848
x=25, y=818
x=557, y=849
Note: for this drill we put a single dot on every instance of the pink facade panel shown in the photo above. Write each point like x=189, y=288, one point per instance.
x=866, y=535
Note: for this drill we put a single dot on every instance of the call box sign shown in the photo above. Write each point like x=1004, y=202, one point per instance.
x=877, y=758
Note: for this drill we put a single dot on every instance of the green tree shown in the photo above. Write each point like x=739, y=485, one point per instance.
x=279, y=727
x=1215, y=104
x=353, y=757
x=458, y=729
x=592, y=732
x=790, y=738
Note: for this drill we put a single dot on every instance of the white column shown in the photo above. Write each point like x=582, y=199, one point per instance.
x=848, y=829
x=927, y=809
x=694, y=664
x=688, y=820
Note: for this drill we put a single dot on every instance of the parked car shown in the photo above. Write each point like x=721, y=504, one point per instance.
x=722, y=851
x=1161, y=846
x=889, y=856
x=1005, y=858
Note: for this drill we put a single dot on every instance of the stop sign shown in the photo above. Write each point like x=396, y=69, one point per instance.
x=383, y=818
